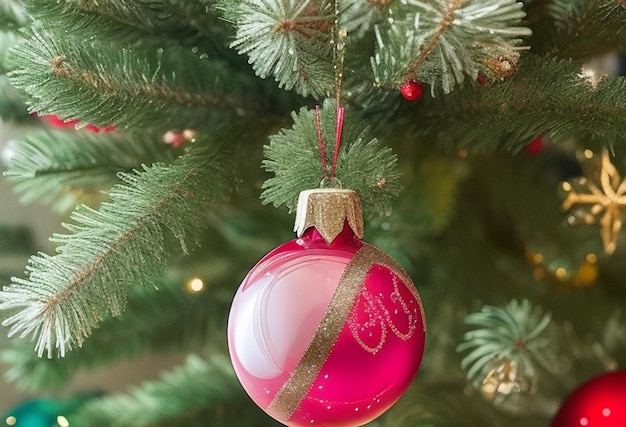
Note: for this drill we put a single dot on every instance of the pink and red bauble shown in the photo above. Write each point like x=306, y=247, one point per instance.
x=600, y=402
x=326, y=331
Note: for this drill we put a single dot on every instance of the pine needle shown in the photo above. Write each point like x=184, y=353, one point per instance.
x=106, y=251
x=105, y=84
x=195, y=392
x=510, y=335
x=289, y=40
x=59, y=168
x=440, y=42
x=363, y=165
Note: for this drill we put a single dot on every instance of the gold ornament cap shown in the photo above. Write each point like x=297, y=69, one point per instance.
x=327, y=209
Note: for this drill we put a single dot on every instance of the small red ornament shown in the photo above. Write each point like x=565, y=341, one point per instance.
x=412, y=90
x=482, y=80
x=59, y=123
x=176, y=139
x=535, y=146
x=600, y=402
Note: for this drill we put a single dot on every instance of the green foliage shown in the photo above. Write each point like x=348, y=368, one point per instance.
x=12, y=103
x=12, y=15
x=424, y=208
x=580, y=29
x=357, y=17
x=439, y=42
x=103, y=84
x=155, y=23
x=60, y=168
x=7, y=40
x=363, y=165
x=289, y=40
x=546, y=97
x=511, y=335
x=195, y=392
x=169, y=318
x=464, y=225
x=67, y=294
x=16, y=244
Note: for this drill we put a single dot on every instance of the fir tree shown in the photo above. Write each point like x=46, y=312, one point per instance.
x=212, y=106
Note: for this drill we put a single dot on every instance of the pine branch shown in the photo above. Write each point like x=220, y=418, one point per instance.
x=152, y=15
x=155, y=23
x=107, y=251
x=358, y=17
x=105, y=85
x=440, y=42
x=290, y=40
x=505, y=345
x=60, y=168
x=153, y=321
x=580, y=29
x=363, y=165
x=171, y=318
x=545, y=97
x=189, y=395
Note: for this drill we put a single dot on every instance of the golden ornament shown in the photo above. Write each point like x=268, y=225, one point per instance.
x=504, y=378
x=328, y=209
x=605, y=197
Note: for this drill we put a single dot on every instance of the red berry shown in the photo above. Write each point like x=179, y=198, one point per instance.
x=412, y=90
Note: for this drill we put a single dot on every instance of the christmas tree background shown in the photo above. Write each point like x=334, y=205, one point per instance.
x=171, y=139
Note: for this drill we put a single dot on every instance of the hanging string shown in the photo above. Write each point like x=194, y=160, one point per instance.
x=320, y=140
x=338, y=36
x=338, y=41
x=340, y=114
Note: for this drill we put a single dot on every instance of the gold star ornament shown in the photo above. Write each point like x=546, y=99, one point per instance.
x=602, y=196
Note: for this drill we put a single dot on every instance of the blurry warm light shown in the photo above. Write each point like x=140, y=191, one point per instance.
x=589, y=73
x=195, y=285
x=189, y=135
x=567, y=186
x=462, y=153
x=588, y=153
x=561, y=273
x=62, y=421
x=591, y=258
x=11, y=421
x=537, y=258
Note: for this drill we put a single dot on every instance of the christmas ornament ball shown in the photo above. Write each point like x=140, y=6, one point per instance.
x=325, y=329
x=412, y=90
x=39, y=413
x=600, y=402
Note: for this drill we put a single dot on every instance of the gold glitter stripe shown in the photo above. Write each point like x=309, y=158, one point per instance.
x=304, y=374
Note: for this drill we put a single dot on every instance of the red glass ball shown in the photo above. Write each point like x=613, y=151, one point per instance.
x=412, y=90
x=600, y=402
